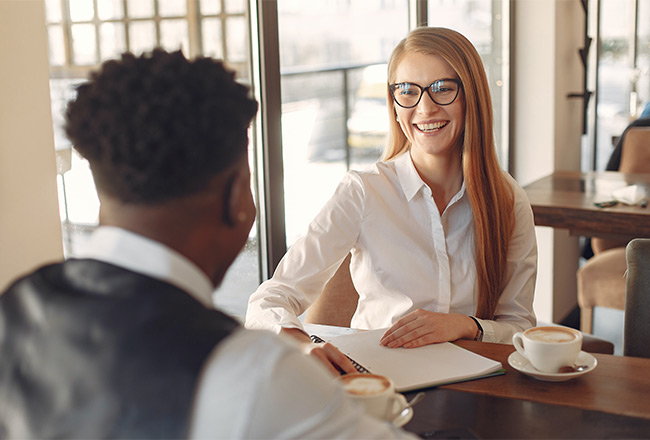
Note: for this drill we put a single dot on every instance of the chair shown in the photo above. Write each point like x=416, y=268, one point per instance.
x=338, y=302
x=636, y=333
x=600, y=280
x=601, y=283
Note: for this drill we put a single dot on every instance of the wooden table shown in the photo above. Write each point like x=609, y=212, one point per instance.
x=613, y=401
x=565, y=200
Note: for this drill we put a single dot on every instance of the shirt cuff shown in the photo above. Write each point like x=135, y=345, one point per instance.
x=274, y=323
x=277, y=328
x=488, y=330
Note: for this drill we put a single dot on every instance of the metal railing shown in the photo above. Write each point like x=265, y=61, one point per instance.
x=345, y=70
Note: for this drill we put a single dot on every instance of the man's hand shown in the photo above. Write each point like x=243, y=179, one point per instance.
x=423, y=327
x=326, y=353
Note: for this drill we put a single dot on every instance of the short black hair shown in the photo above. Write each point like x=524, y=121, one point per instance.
x=159, y=126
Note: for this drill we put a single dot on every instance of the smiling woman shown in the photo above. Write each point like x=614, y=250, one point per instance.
x=432, y=125
x=430, y=54
x=442, y=241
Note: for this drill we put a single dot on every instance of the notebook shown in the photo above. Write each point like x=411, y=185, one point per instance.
x=415, y=368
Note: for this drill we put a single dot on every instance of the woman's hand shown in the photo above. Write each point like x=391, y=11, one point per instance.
x=423, y=327
x=326, y=353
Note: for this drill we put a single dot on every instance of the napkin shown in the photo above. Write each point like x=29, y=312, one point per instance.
x=630, y=195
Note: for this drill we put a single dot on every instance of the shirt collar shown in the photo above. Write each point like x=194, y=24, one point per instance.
x=411, y=181
x=140, y=254
x=408, y=176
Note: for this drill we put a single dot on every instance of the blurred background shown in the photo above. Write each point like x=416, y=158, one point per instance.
x=332, y=58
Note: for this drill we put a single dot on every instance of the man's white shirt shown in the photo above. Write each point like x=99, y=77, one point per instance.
x=254, y=384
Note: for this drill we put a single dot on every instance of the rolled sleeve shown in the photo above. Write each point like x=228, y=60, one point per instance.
x=310, y=262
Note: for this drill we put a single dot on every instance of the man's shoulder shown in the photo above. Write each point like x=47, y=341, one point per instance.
x=70, y=273
x=30, y=281
x=79, y=284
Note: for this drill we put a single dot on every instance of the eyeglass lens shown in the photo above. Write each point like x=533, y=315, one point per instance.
x=442, y=92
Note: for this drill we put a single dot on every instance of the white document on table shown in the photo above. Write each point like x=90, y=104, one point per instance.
x=415, y=368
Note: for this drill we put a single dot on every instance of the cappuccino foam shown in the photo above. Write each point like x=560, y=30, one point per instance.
x=365, y=384
x=551, y=334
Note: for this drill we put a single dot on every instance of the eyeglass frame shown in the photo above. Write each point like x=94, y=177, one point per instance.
x=393, y=87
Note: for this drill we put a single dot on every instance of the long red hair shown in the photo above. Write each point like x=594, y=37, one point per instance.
x=490, y=194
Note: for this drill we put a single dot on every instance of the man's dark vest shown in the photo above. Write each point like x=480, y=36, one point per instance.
x=91, y=350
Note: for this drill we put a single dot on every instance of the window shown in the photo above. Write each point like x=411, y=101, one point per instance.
x=334, y=86
x=84, y=33
x=332, y=78
x=623, y=74
x=334, y=113
x=642, y=68
x=486, y=25
x=615, y=68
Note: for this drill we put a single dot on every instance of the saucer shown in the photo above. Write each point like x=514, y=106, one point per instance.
x=405, y=415
x=521, y=364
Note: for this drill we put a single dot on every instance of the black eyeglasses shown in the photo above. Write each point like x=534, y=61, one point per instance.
x=442, y=92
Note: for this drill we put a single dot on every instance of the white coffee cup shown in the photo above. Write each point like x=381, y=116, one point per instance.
x=549, y=348
x=376, y=394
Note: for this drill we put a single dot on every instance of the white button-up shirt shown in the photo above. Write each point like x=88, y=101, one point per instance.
x=254, y=384
x=405, y=256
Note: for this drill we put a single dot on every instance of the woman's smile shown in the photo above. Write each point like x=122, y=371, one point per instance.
x=431, y=128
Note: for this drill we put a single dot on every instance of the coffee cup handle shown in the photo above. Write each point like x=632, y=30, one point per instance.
x=396, y=405
x=517, y=341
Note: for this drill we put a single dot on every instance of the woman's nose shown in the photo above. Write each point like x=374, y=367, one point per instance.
x=427, y=104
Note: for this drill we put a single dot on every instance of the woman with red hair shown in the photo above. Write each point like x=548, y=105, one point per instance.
x=442, y=239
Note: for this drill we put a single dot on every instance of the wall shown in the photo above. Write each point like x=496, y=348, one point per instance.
x=547, y=128
x=30, y=228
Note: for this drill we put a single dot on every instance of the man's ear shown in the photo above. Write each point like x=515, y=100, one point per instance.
x=232, y=201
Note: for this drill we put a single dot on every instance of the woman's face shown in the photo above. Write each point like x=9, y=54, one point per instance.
x=431, y=128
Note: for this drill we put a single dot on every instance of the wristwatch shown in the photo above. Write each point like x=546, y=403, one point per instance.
x=479, y=330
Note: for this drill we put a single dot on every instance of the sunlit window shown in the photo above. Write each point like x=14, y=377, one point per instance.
x=333, y=56
x=334, y=114
x=84, y=33
x=485, y=24
x=82, y=36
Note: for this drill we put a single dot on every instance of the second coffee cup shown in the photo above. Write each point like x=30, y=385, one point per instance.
x=549, y=348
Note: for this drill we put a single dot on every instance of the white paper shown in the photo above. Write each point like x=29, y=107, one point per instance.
x=413, y=368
